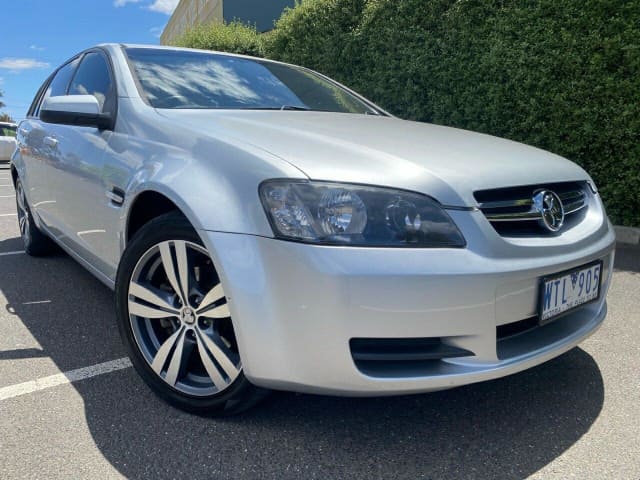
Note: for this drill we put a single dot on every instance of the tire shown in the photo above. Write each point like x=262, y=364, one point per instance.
x=172, y=336
x=36, y=243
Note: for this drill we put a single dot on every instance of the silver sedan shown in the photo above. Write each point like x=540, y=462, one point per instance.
x=265, y=227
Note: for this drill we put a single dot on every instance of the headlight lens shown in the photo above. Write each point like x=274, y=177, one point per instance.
x=343, y=214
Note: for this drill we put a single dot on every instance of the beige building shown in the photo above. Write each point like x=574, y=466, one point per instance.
x=189, y=13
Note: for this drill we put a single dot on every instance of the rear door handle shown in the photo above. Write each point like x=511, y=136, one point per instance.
x=50, y=142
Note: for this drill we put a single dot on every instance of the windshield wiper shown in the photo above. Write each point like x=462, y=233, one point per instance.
x=294, y=107
x=283, y=107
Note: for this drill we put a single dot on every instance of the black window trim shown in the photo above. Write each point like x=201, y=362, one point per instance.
x=113, y=91
x=37, y=102
x=80, y=58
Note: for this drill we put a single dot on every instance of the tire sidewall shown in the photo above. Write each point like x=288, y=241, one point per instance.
x=36, y=242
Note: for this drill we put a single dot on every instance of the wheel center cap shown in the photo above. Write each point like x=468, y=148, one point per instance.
x=188, y=316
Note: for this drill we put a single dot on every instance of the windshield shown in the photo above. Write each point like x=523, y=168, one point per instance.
x=183, y=79
x=7, y=131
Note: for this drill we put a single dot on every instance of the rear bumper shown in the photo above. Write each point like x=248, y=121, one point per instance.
x=296, y=307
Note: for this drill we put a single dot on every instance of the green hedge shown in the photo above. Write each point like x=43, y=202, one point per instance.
x=563, y=75
x=232, y=37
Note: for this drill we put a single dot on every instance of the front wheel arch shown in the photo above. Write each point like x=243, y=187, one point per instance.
x=147, y=206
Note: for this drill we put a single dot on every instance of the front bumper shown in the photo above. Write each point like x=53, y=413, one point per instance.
x=296, y=307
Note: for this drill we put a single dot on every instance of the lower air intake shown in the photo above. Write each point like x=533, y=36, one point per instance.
x=391, y=356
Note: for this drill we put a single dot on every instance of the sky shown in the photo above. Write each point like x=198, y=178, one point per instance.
x=36, y=36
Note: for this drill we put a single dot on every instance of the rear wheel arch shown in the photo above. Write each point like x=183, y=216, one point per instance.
x=14, y=175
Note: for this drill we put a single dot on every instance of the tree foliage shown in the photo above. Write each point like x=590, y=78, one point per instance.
x=233, y=37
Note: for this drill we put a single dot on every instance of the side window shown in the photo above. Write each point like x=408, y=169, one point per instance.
x=59, y=83
x=93, y=78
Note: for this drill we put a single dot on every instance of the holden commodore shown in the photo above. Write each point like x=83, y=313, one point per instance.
x=265, y=227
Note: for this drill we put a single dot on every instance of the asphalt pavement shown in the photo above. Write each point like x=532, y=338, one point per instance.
x=577, y=416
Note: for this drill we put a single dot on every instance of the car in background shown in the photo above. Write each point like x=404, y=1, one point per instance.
x=265, y=227
x=7, y=140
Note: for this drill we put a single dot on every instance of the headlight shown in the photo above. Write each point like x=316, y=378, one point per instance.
x=343, y=214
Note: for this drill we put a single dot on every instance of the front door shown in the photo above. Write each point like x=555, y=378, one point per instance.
x=76, y=165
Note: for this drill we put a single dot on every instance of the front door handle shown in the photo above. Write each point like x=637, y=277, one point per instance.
x=50, y=142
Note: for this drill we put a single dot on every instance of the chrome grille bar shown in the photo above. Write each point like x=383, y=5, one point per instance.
x=522, y=209
x=514, y=217
x=506, y=204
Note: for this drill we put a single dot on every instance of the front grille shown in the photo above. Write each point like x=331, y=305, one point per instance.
x=511, y=211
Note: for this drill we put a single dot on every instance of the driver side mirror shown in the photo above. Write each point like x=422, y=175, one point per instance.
x=78, y=110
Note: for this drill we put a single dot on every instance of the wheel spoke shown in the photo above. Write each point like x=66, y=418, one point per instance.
x=215, y=294
x=183, y=268
x=148, y=295
x=145, y=311
x=221, y=311
x=221, y=355
x=163, y=352
x=167, y=263
x=23, y=224
x=176, y=360
x=209, y=366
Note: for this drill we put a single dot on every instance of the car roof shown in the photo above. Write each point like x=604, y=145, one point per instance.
x=183, y=49
x=168, y=47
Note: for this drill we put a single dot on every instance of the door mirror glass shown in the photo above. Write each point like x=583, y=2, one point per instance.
x=79, y=110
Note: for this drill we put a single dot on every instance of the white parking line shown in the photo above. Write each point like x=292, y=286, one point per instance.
x=63, y=378
x=5, y=254
x=8, y=214
x=7, y=196
x=39, y=302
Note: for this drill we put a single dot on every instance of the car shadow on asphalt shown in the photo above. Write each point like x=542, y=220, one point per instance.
x=507, y=428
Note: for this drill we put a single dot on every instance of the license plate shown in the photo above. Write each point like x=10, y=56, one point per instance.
x=565, y=291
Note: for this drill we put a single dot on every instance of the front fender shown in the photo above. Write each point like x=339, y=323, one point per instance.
x=211, y=177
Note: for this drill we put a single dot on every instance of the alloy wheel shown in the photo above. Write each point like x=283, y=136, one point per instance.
x=180, y=319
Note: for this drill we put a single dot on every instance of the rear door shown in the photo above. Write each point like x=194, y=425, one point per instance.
x=39, y=151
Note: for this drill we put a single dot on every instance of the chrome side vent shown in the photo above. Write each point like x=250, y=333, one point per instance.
x=514, y=211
